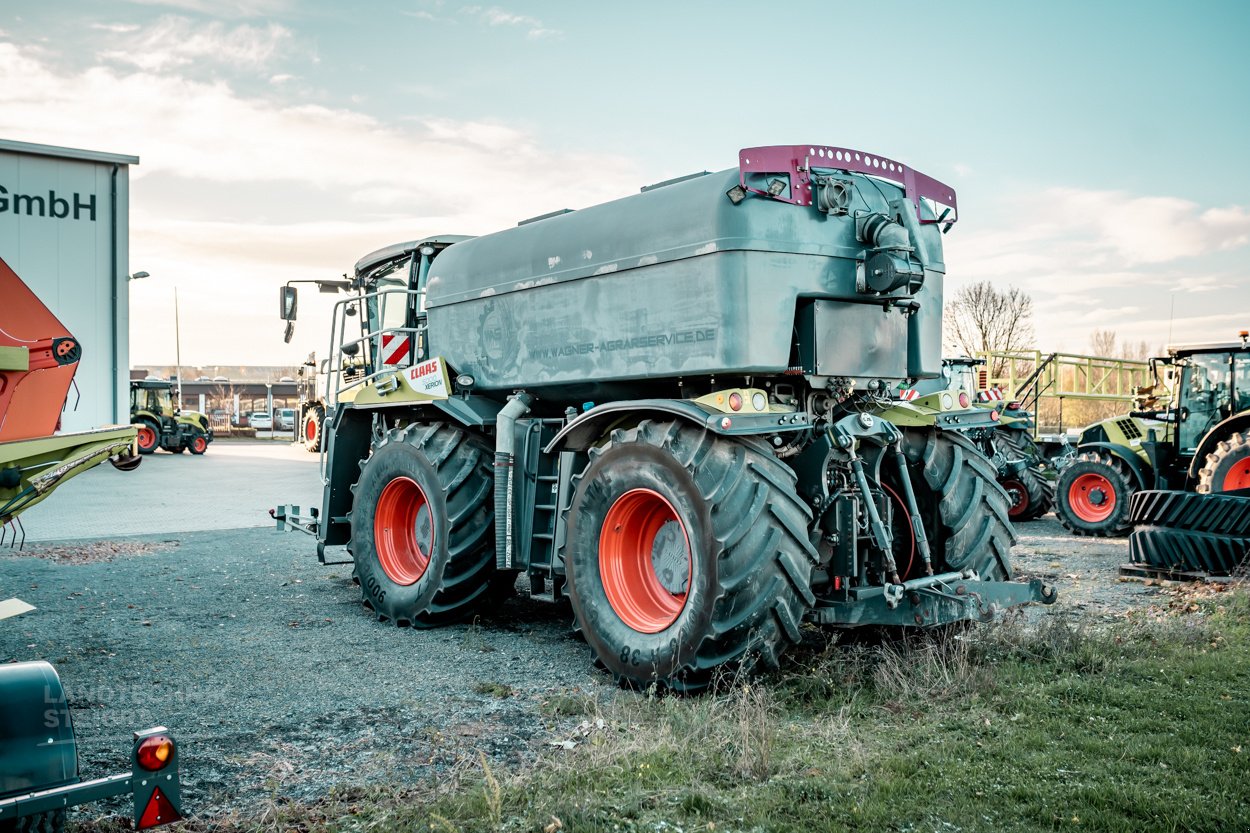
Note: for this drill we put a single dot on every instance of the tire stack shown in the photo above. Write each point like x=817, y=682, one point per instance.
x=1191, y=533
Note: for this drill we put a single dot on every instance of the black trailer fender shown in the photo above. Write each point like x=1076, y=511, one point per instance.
x=582, y=432
x=1141, y=470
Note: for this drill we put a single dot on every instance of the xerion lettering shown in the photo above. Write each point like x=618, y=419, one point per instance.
x=54, y=205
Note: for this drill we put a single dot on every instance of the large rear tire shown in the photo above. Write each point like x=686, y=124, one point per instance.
x=422, y=526
x=1093, y=495
x=1228, y=467
x=964, y=509
x=687, y=553
x=314, y=419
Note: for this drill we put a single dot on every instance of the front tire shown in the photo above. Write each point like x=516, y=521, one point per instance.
x=422, y=526
x=687, y=553
x=199, y=444
x=1093, y=495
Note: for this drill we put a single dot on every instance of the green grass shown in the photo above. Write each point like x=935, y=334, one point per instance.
x=1143, y=726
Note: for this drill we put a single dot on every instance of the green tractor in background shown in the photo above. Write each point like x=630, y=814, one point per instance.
x=1195, y=440
x=1005, y=437
x=162, y=424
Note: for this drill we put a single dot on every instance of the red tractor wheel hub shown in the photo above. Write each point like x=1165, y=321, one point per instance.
x=1238, y=476
x=645, y=561
x=1019, y=497
x=1092, y=497
x=403, y=531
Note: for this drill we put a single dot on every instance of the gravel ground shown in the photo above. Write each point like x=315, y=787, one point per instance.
x=272, y=675
x=277, y=682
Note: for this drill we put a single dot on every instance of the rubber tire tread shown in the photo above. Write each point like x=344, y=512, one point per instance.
x=1218, y=514
x=1041, y=491
x=1230, y=451
x=318, y=414
x=191, y=446
x=156, y=431
x=1120, y=527
x=966, y=511
x=52, y=821
x=758, y=545
x=468, y=581
x=1188, y=550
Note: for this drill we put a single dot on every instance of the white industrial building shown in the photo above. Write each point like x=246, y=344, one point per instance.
x=64, y=228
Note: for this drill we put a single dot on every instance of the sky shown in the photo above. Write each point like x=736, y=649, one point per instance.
x=1097, y=148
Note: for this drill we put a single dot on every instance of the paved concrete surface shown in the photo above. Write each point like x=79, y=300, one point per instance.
x=232, y=486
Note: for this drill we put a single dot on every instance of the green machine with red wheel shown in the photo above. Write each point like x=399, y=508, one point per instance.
x=163, y=424
x=1196, y=439
x=676, y=410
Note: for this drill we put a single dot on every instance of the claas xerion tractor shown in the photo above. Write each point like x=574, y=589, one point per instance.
x=1195, y=438
x=163, y=424
x=670, y=409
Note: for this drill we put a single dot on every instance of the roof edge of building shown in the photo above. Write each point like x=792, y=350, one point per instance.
x=68, y=153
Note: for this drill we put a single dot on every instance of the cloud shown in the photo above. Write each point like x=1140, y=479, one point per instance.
x=495, y=16
x=118, y=28
x=1105, y=259
x=224, y=8
x=235, y=195
x=178, y=42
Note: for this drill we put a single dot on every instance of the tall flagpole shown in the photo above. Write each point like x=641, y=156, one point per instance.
x=178, y=348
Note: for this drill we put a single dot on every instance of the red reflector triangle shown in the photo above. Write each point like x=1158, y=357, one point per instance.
x=158, y=811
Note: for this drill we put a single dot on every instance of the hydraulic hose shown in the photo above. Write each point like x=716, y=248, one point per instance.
x=505, y=440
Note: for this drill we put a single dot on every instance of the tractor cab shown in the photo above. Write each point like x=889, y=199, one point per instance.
x=1214, y=386
x=154, y=396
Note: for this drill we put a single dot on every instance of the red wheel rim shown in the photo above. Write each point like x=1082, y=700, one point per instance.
x=147, y=437
x=310, y=430
x=1238, y=476
x=1092, y=497
x=403, y=531
x=199, y=444
x=1019, y=497
x=640, y=531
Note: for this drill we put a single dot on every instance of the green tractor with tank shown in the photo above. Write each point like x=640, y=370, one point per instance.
x=1195, y=439
x=161, y=423
x=675, y=410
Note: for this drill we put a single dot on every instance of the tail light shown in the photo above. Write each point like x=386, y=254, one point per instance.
x=155, y=753
x=994, y=415
x=964, y=400
x=735, y=402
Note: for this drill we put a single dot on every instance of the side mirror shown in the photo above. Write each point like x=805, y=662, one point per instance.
x=288, y=301
x=290, y=331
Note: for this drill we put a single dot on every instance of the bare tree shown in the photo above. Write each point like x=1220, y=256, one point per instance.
x=981, y=318
x=1102, y=343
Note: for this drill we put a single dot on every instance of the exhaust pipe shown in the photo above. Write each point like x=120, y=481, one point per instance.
x=505, y=437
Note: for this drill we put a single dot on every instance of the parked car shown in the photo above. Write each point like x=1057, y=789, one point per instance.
x=261, y=422
x=286, y=419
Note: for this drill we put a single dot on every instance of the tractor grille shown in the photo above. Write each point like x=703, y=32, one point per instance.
x=1129, y=428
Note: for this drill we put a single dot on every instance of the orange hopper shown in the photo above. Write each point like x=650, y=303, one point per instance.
x=38, y=358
